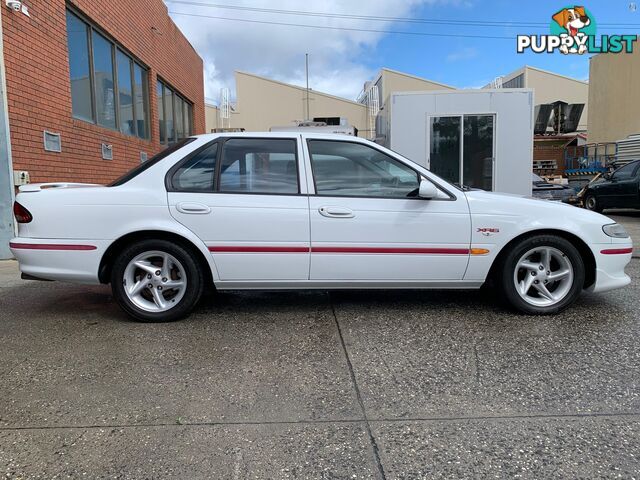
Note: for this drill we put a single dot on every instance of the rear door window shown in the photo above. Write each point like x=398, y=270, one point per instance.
x=259, y=165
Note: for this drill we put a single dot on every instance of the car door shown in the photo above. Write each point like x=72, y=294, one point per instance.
x=242, y=197
x=622, y=189
x=368, y=224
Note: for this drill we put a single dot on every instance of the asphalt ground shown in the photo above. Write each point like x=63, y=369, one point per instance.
x=395, y=385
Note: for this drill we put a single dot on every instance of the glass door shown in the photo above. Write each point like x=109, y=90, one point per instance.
x=461, y=149
x=445, y=147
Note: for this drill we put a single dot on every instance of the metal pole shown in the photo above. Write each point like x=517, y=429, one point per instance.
x=306, y=66
x=6, y=165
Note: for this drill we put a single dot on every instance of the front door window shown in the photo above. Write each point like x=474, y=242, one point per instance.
x=353, y=169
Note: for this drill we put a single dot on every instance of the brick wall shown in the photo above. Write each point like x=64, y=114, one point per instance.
x=39, y=90
x=545, y=150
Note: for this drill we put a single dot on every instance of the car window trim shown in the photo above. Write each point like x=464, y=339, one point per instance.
x=419, y=175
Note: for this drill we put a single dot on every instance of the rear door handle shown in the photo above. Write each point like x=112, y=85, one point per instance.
x=192, y=208
x=336, y=212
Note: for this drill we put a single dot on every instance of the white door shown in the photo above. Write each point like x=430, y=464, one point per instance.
x=367, y=222
x=242, y=197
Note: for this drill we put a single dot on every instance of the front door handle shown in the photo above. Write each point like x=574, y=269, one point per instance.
x=192, y=208
x=336, y=212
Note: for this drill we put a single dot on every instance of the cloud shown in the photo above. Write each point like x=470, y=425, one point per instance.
x=466, y=53
x=336, y=57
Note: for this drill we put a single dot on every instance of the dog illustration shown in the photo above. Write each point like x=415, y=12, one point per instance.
x=572, y=20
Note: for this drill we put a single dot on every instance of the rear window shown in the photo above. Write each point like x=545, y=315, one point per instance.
x=134, y=172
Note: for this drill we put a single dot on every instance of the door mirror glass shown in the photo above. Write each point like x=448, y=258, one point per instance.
x=427, y=190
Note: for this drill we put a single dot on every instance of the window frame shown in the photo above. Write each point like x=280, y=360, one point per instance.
x=168, y=181
x=420, y=176
x=185, y=103
x=115, y=48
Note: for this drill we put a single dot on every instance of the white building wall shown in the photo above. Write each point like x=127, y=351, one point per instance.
x=513, y=133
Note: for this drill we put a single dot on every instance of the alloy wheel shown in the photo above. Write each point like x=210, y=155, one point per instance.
x=543, y=276
x=154, y=281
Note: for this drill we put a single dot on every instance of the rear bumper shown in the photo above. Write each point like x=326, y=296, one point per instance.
x=611, y=260
x=59, y=259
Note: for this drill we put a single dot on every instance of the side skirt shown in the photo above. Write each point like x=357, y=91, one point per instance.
x=347, y=285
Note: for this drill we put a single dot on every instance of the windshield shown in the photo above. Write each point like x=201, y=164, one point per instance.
x=135, y=171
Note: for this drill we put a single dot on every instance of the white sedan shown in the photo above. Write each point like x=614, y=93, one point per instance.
x=306, y=211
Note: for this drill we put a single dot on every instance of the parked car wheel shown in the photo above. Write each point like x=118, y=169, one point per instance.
x=591, y=203
x=543, y=274
x=156, y=281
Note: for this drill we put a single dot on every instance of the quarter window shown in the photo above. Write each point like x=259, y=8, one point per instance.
x=197, y=173
x=252, y=165
x=108, y=86
x=174, y=114
x=357, y=170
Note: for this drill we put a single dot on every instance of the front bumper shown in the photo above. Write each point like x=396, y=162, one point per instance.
x=610, y=266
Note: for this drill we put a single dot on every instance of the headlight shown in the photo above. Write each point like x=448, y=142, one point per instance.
x=615, y=230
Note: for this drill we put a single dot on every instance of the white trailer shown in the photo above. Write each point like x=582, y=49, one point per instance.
x=478, y=138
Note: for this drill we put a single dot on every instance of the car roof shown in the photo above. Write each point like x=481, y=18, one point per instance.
x=291, y=134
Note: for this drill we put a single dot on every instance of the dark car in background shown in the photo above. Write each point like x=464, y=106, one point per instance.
x=551, y=191
x=620, y=189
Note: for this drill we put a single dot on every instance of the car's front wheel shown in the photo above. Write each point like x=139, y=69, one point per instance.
x=156, y=281
x=591, y=203
x=542, y=274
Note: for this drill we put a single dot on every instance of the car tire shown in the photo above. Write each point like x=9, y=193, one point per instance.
x=591, y=203
x=522, y=280
x=157, y=281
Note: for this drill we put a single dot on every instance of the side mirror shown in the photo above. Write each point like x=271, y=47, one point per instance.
x=427, y=190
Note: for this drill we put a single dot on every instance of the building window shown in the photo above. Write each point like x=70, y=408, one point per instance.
x=125, y=94
x=515, y=82
x=108, y=87
x=174, y=114
x=78, y=38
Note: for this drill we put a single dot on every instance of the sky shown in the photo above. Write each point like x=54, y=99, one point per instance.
x=340, y=61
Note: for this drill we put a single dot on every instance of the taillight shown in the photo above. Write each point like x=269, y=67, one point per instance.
x=22, y=214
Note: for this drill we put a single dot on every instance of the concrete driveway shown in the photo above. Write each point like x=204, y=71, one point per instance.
x=316, y=385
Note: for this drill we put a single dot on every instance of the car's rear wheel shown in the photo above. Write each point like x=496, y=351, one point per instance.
x=542, y=274
x=591, y=203
x=156, y=281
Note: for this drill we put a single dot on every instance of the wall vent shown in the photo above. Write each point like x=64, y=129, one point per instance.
x=52, y=142
x=107, y=151
x=143, y=157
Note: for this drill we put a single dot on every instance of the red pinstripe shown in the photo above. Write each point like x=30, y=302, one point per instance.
x=364, y=250
x=50, y=246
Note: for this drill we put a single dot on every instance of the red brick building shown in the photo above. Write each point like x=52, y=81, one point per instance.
x=108, y=83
